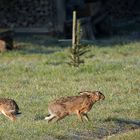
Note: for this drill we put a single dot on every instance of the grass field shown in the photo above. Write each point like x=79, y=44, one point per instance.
x=37, y=73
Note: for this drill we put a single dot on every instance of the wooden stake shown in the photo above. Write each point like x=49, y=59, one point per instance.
x=74, y=30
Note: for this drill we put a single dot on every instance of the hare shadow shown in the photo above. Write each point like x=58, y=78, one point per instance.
x=39, y=117
x=125, y=124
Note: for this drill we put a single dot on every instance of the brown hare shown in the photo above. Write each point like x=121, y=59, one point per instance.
x=79, y=105
x=9, y=108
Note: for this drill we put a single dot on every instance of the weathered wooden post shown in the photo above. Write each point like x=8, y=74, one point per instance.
x=76, y=49
x=74, y=30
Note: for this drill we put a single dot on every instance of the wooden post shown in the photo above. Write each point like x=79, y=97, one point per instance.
x=74, y=30
x=76, y=49
x=78, y=33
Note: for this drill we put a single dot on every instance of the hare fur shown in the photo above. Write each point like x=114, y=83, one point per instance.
x=9, y=108
x=79, y=105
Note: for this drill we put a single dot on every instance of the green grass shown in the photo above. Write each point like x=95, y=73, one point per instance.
x=36, y=74
x=131, y=135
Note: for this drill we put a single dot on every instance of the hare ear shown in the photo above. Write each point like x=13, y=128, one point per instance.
x=84, y=93
x=97, y=93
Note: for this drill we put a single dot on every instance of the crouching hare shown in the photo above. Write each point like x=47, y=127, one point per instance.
x=9, y=108
x=79, y=105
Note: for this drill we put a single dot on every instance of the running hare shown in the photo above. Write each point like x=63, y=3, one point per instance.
x=79, y=105
x=9, y=108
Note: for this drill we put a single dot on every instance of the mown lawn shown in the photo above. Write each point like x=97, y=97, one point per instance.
x=37, y=73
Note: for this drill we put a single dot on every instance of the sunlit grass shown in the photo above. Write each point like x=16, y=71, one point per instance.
x=34, y=75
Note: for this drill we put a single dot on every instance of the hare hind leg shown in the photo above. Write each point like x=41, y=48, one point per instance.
x=9, y=115
x=50, y=117
x=85, y=116
x=79, y=115
x=60, y=117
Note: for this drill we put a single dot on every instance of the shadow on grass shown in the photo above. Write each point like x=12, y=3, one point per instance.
x=121, y=126
x=39, y=117
x=35, y=50
x=122, y=121
x=102, y=42
x=39, y=44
